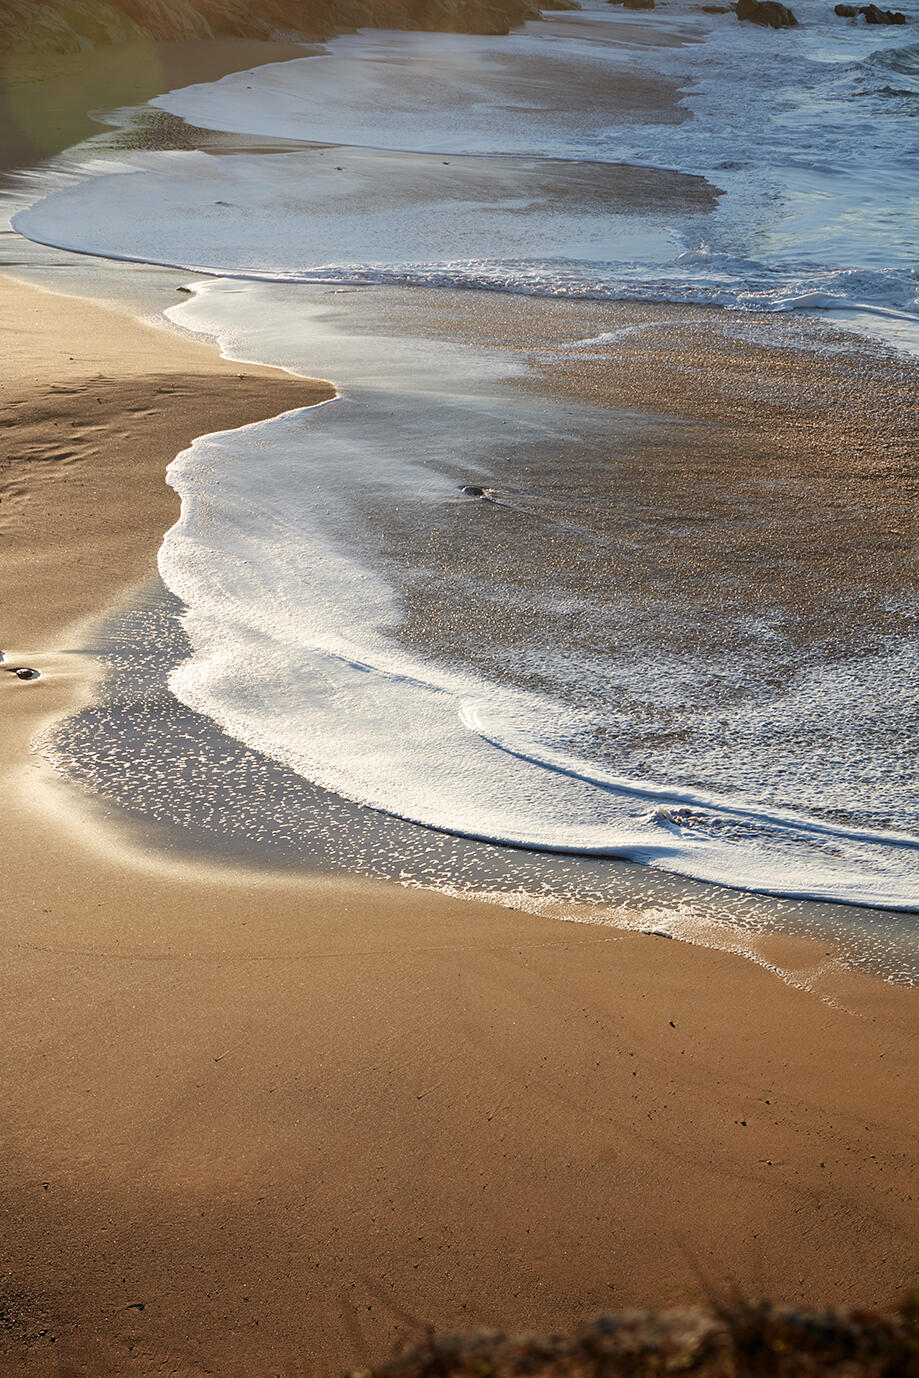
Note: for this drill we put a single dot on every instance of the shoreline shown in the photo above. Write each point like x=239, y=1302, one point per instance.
x=286, y=1113
x=703, y=481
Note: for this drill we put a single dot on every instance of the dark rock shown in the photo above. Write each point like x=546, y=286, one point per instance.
x=846, y=11
x=769, y=13
x=873, y=15
x=638, y=4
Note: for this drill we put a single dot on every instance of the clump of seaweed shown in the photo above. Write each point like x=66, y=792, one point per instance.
x=738, y=1339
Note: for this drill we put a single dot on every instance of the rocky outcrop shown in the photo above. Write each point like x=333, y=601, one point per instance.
x=769, y=13
x=80, y=25
x=872, y=14
x=875, y=16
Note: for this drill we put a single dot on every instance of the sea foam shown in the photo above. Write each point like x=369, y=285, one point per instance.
x=290, y=615
x=294, y=598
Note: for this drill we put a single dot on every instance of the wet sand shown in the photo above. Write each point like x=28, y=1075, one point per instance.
x=257, y=1121
x=763, y=479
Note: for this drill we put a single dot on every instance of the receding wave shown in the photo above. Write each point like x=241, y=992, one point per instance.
x=700, y=276
x=292, y=619
x=313, y=680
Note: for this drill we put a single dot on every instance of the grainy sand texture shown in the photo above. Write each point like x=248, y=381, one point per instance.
x=252, y=1122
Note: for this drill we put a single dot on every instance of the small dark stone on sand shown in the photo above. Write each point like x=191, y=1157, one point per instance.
x=472, y=490
x=184, y=289
x=25, y=672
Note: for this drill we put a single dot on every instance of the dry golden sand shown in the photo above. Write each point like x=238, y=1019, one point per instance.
x=253, y=1123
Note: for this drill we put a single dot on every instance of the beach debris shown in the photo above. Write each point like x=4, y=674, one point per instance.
x=476, y=490
x=23, y=671
x=184, y=289
x=768, y=13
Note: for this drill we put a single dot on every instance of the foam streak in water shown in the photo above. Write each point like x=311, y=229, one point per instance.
x=290, y=621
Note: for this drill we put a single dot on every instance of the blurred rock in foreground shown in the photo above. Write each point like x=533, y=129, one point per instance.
x=734, y=1341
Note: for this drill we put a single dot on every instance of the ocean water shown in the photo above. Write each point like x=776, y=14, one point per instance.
x=415, y=596
x=809, y=136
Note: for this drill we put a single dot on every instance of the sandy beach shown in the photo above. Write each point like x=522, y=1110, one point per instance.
x=253, y=1122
